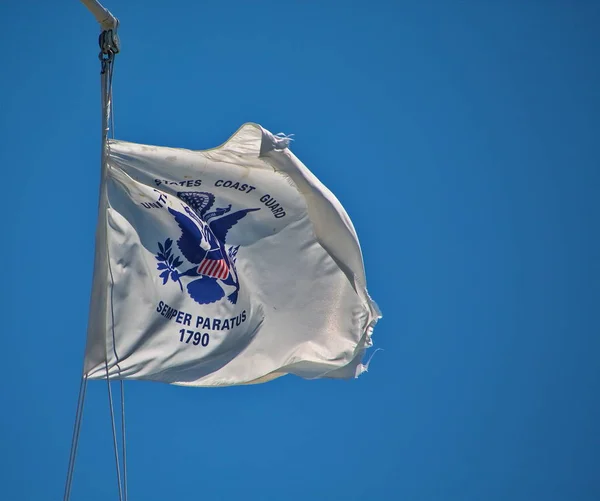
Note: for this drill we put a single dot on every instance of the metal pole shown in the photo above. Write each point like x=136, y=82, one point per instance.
x=103, y=16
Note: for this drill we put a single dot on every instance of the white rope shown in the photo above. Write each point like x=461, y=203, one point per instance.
x=75, y=439
x=108, y=124
x=110, y=70
x=123, y=440
x=114, y=432
x=109, y=46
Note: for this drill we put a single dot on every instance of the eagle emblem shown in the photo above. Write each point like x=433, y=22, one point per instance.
x=203, y=244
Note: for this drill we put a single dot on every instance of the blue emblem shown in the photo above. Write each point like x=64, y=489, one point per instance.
x=203, y=243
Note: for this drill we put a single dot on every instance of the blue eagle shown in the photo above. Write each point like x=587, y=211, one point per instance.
x=202, y=243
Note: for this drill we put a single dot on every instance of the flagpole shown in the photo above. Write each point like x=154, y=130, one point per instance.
x=106, y=20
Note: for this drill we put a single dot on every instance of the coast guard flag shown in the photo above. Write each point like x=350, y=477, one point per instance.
x=222, y=267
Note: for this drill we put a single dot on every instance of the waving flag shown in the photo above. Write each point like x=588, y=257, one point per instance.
x=221, y=267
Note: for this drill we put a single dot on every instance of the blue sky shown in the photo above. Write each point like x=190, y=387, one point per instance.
x=463, y=142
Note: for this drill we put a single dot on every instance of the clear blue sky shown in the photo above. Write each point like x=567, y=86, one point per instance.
x=462, y=138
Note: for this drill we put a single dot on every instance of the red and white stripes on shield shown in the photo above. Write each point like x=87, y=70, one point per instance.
x=215, y=268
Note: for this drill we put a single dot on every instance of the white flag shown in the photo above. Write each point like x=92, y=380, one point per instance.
x=227, y=266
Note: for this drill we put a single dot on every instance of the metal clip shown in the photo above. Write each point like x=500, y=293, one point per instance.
x=109, y=42
x=109, y=46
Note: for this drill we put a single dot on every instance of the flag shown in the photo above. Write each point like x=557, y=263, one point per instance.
x=227, y=266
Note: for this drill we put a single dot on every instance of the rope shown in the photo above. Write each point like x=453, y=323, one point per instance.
x=112, y=104
x=109, y=47
x=123, y=439
x=114, y=432
x=75, y=439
